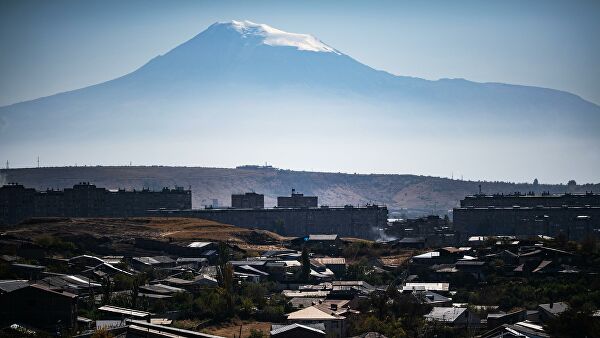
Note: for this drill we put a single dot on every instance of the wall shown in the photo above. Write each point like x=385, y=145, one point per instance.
x=575, y=222
x=18, y=203
x=361, y=222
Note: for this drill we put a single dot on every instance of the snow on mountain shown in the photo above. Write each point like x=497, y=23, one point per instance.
x=275, y=37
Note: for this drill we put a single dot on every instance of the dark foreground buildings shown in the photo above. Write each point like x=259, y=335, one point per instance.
x=18, y=203
x=574, y=215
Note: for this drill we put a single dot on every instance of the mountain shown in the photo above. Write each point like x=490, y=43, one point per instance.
x=410, y=194
x=256, y=92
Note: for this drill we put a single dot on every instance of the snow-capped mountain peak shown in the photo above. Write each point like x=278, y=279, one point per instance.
x=276, y=37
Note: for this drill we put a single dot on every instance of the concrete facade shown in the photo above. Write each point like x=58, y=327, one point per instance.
x=361, y=222
x=18, y=203
x=575, y=216
x=297, y=201
x=248, y=200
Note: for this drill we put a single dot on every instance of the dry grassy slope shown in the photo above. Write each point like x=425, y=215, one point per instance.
x=177, y=229
x=419, y=194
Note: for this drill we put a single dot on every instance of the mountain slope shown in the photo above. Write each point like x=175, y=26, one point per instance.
x=236, y=78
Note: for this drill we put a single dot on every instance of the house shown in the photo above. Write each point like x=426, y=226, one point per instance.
x=251, y=270
x=453, y=316
x=473, y=267
x=426, y=286
x=149, y=263
x=298, y=331
x=432, y=298
x=517, y=330
x=74, y=284
x=40, y=307
x=336, y=264
x=360, y=286
x=435, y=257
x=11, y=285
x=302, y=302
x=319, y=243
x=284, y=254
x=116, y=312
x=411, y=242
x=551, y=310
x=532, y=257
x=498, y=319
x=335, y=325
x=201, y=246
x=140, y=328
x=248, y=273
x=192, y=262
x=84, y=262
x=199, y=282
x=160, y=289
x=28, y=271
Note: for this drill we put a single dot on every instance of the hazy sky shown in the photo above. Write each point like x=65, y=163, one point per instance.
x=54, y=46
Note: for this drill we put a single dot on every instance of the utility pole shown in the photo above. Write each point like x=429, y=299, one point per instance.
x=6, y=164
x=38, y=161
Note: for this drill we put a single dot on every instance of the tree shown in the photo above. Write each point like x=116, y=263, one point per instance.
x=106, y=290
x=228, y=286
x=135, y=289
x=228, y=278
x=305, y=264
x=572, y=183
x=256, y=334
x=101, y=333
x=536, y=182
x=223, y=259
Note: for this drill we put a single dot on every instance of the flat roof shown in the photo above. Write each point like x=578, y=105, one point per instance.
x=124, y=311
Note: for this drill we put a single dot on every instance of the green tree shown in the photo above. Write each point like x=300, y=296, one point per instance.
x=256, y=334
x=106, y=290
x=101, y=333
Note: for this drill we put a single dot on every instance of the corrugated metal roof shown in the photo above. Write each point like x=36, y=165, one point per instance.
x=199, y=244
x=322, y=237
x=427, y=286
x=285, y=328
x=445, y=314
x=330, y=260
x=124, y=311
x=12, y=285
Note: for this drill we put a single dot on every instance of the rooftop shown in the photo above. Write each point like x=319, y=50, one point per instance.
x=124, y=311
x=310, y=313
x=322, y=237
x=278, y=329
x=445, y=314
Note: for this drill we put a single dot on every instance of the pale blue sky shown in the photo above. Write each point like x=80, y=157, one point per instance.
x=53, y=46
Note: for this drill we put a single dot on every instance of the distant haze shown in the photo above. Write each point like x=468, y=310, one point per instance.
x=229, y=97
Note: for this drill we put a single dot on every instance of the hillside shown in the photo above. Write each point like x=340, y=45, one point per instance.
x=115, y=233
x=413, y=194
